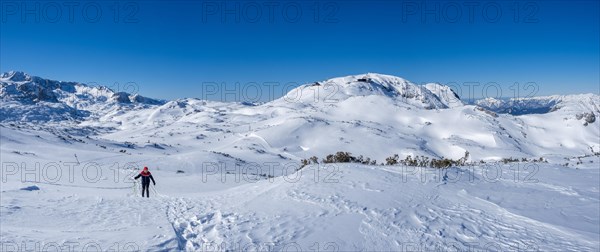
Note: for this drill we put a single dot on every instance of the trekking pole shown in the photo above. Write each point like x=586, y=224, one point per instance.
x=134, y=188
x=76, y=158
x=154, y=190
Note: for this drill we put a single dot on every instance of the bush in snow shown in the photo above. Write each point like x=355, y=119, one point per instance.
x=393, y=160
x=510, y=160
x=339, y=157
x=423, y=161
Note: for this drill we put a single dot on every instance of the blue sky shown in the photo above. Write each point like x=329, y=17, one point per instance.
x=172, y=49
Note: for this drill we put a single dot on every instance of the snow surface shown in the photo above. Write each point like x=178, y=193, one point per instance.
x=227, y=180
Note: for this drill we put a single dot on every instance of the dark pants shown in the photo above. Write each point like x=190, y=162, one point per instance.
x=145, y=188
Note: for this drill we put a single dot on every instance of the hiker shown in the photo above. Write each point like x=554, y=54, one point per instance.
x=146, y=177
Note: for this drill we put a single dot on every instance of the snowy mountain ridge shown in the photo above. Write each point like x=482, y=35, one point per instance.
x=32, y=98
x=541, y=104
x=385, y=86
x=28, y=90
x=359, y=114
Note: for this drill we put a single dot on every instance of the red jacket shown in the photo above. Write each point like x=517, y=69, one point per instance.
x=146, y=177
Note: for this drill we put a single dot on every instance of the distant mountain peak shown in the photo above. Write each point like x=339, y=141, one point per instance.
x=39, y=99
x=397, y=89
x=16, y=76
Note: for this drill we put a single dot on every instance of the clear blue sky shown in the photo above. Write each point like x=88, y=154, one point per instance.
x=170, y=48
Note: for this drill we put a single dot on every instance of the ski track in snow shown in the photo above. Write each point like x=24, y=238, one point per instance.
x=358, y=212
x=428, y=219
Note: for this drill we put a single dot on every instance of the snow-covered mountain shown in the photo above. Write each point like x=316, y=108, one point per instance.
x=445, y=94
x=30, y=98
x=350, y=87
x=370, y=114
x=542, y=105
x=229, y=177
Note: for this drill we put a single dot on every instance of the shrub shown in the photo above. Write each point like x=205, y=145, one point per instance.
x=343, y=157
x=442, y=163
x=328, y=159
x=393, y=160
x=418, y=161
x=305, y=162
x=509, y=160
x=340, y=157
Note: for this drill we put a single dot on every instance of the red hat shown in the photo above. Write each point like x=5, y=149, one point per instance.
x=145, y=168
